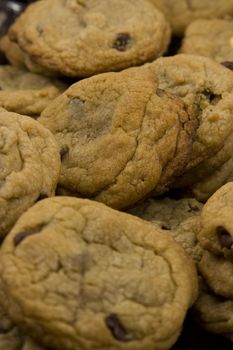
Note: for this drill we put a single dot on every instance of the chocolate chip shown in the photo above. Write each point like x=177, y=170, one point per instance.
x=213, y=98
x=224, y=237
x=63, y=151
x=165, y=227
x=160, y=92
x=228, y=64
x=23, y=234
x=117, y=329
x=121, y=42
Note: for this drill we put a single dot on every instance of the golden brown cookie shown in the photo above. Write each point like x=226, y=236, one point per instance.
x=211, y=38
x=206, y=84
x=30, y=166
x=214, y=312
x=181, y=13
x=214, y=307
x=78, y=274
x=121, y=136
x=216, y=233
x=26, y=93
x=93, y=36
x=180, y=218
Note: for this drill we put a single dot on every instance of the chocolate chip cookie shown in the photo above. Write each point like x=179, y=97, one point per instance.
x=83, y=38
x=206, y=84
x=78, y=274
x=26, y=93
x=181, y=13
x=216, y=233
x=120, y=136
x=180, y=218
x=211, y=38
x=214, y=308
x=30, y=165
x=214, y=313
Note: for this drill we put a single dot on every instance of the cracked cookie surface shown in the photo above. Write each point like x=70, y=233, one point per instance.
x=210, y=38
x=121, y=136
x=93, y=36
x=26, y=93
x=206, y=84
x=30, y=165
x=182, y=12
x=78, y=274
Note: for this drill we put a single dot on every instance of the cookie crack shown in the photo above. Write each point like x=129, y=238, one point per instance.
x=131, y=158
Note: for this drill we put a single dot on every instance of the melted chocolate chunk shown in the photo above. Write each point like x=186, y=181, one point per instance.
x=228, y=64
x=160, y=92
x=24, y=234
x=121, y=42
x=213, y=98
x=117, y=329
x=224, y=237
x=63, y=151
x=165, y=227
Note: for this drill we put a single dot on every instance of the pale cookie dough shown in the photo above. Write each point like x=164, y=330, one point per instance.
x=211, y=38
x=30, y=166
x=181, y=13
x=26, y=93
x=209, y=86
x=121, y=136
x=93, y=36
x=77, y=274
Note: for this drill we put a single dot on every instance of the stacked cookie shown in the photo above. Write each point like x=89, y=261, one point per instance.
x=214, y=306
x=93, y=121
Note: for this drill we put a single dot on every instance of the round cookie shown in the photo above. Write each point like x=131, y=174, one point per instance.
x=216, y=233
x=30, y=165
x=214, y=313
x=206, y=84
x=217, y=272
x=214, y=307
x=211, y=38
x=121, y=136
x=26, y=93
x=78, y=274
x=167, y=212
x=181, y=13
x=179, y=218
x=93, y=36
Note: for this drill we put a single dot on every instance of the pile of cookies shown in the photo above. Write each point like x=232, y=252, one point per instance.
x=116, y=182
